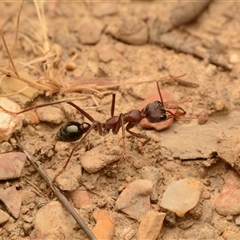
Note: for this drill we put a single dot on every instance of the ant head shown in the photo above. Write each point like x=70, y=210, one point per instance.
x=155, y=112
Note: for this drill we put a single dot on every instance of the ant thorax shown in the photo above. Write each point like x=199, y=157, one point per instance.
x=109, y=125
x=155, y=112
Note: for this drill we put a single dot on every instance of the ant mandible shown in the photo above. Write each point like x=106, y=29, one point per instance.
x=72, y=131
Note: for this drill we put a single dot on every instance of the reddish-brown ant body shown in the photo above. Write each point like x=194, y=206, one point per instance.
x=73, y=131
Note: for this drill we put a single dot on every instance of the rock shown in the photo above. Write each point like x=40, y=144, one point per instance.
x=151, y=173
x=11, y=165
x=104, y=228
x=231, y=233
x=150, y=225
x=200, y=231
x=105, y=53
x=180, y=145
x=234, y=58
x=237, y=220
x=130, y=30
x=9, y=122
x=79, y=197
x=11, y=85
x=68, y=180
x=101, y=156
x=12, y=200
x=31, y=117
x=50, y=114
x=53, y=219
x=28, y=196
x=186, y=224
x=228, y=202
x=101, y=9
x=228, y=149
x=186, y=12
x=210, y=70
x=155, y=97
x=202, y=117
x=177, y=198
x=3, y=217
x=6, y=147
x=135, y=199
x=90, y=30
x=207, y=211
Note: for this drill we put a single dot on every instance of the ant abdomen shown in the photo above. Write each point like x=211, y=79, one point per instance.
x=72, y=131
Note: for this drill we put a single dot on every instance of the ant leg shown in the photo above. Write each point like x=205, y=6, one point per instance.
x=84, y=113
x=115, y=130
x=35, y=107
x=177, y=114
x=123, y=138
x=113, y=100
x=93, y=126
x=40, y=106
x=138, y=135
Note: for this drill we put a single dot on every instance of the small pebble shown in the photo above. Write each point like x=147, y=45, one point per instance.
x=90, y=30
x=237, y=220
x=31, y=117
x=104, y=228
x=231, y=233
x=150, y=226
x=135, y=199
x=99, y=157
x=177, y=198
x=210, y=70
x=53, y=218
x=101, y=9
x=207, y=211
x=5, y=147
x=234, y=58
x=186, y=224
x=105, y=53
x=229, y=218
x=200, y=231
x=151, y=173
x=3, y=217
x=69, y=179
x=202, y=117
x=130, y=30
x=71, y=66
x=50, y=114
x=12, y=200
x=228, y=202
x=79, y=197
x=11, y=165
x=228, y=149
x=9, y=123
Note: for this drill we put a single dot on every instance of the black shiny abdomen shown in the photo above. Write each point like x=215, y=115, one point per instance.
x=70, y=132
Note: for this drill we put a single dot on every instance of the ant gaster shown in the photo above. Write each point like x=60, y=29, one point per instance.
x=73, y=131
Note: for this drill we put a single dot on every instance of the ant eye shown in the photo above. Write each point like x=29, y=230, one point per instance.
x=70, y=132
x=163, y=117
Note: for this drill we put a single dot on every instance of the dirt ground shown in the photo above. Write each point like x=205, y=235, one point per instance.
x=207, y=50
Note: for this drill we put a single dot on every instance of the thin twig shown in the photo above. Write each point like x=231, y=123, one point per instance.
x=17, y=28
x=8, y=53
x=57, y=192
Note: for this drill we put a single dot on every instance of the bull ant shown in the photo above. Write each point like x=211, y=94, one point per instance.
x=73, y=131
